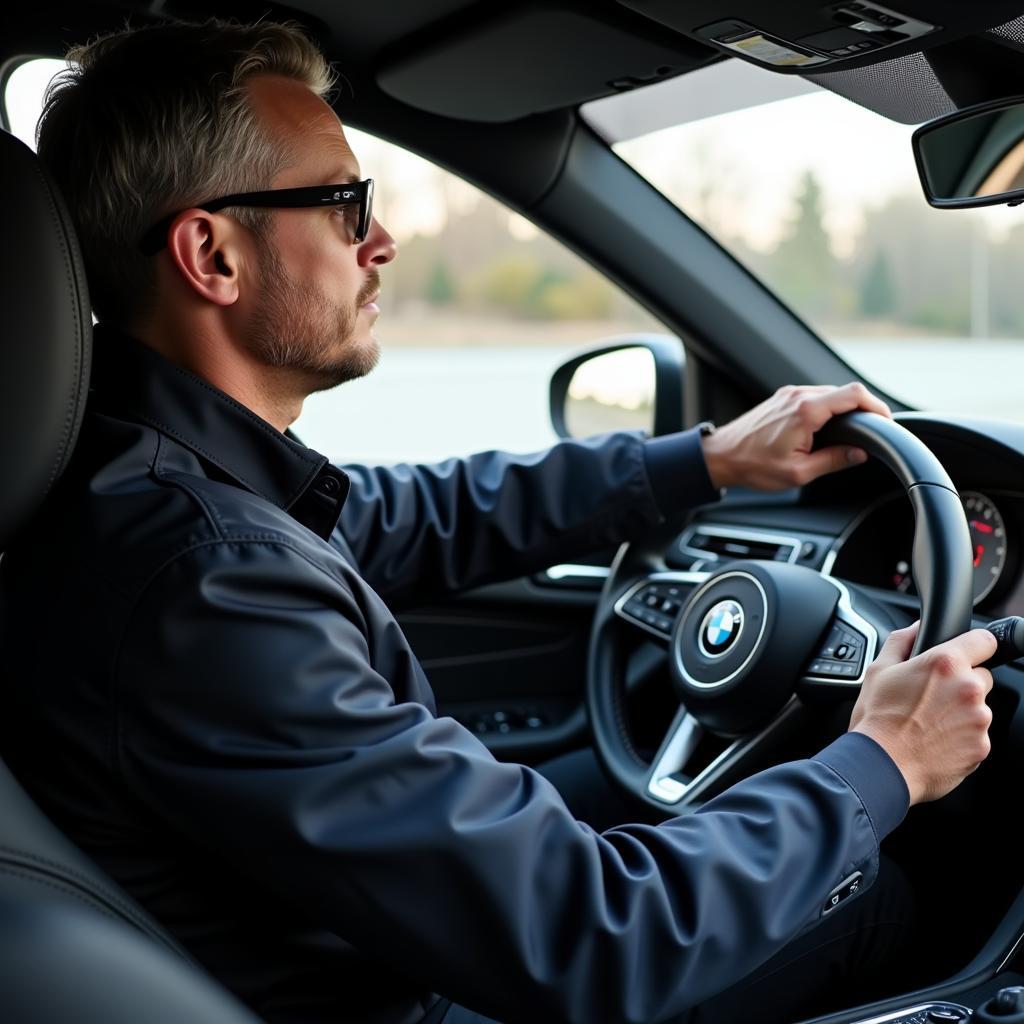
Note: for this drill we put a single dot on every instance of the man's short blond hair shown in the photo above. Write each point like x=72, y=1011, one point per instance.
x=145, y=122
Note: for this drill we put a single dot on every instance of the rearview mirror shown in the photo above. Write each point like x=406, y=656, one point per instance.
x=974, y=157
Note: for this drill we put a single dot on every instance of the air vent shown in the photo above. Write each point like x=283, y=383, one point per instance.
x=713, y=544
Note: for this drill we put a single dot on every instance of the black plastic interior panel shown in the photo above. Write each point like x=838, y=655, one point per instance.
x=827, y=26
x=532, y=59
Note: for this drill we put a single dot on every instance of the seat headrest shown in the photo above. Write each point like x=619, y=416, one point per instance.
x=45, y=337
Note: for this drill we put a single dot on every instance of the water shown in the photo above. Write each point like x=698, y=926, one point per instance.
x=425, y=404
x=965, y=375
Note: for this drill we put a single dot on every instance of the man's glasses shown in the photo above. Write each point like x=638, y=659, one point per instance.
x=357, y=194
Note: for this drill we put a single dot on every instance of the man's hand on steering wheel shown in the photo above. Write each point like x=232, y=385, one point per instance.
x=769, y=447
x=929, y=713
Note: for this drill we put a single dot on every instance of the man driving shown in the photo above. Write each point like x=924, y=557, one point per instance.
x=232, y=723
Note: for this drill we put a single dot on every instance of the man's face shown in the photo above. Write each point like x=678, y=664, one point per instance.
x=314, y=308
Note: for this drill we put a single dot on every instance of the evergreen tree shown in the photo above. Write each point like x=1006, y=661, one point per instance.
x=803, y=268
x=440, y=288
x=877, y=290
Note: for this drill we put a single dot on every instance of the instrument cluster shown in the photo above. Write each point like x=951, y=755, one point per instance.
x=877, y=550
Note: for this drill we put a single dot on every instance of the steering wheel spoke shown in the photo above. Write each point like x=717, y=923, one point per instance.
x=692, y=765
x=665, y=781
x=653, y=603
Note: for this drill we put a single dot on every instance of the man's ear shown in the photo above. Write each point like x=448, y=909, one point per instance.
x=205, y=249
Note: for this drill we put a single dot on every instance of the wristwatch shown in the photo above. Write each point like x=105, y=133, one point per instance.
x=706, y=429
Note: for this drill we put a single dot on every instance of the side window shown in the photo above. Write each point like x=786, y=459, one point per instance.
x=23, y=96
x=476, y=311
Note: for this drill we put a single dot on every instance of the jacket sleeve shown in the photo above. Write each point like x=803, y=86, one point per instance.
x=416, y=530
x=262, y=725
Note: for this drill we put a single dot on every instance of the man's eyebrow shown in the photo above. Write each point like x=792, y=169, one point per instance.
x=340, y=176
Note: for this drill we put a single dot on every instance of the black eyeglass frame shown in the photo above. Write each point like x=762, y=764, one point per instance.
x=360, y=192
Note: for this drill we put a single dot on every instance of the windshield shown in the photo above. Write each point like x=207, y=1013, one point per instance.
x=820, y=199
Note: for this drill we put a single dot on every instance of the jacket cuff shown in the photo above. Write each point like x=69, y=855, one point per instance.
x=872, y=774
x=678, y=473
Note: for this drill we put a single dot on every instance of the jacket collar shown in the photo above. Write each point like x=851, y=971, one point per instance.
x=132, y=381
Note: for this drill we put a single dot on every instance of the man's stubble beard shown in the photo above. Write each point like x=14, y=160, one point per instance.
x=295, y=326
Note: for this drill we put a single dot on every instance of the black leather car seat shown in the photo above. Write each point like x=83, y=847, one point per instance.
x=73, y=945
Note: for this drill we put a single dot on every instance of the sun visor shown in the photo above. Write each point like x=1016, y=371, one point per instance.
x=530, y=60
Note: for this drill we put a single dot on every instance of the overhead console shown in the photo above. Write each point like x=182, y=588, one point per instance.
x=798, y=37
x=856, y=28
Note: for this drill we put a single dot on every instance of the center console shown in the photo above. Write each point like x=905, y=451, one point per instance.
x=926, y=1013
x=1005, y=1006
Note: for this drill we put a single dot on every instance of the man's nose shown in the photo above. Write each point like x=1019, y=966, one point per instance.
x=378, y=247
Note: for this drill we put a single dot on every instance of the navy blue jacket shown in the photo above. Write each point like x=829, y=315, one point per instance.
x=206, y=689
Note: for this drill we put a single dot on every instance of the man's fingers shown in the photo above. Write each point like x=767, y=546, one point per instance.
x=977, y=645
x=856, y=396
x=986, y=679
x=810, y=466
x=836, y=401
x=898, y=646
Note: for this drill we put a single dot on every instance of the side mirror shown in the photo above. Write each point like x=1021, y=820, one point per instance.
x=973, y=157
x=634, y=382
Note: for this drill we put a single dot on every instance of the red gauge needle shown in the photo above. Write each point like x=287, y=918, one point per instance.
x=982, y=527
x=979, y=550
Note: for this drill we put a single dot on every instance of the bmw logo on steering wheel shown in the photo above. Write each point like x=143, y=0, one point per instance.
x=720, y=629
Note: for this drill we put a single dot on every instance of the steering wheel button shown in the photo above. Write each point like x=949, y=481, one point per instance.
x=843, y=651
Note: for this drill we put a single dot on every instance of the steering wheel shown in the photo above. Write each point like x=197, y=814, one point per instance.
x=747, y=641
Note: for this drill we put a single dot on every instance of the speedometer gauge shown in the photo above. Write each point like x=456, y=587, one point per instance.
x=988, y=541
